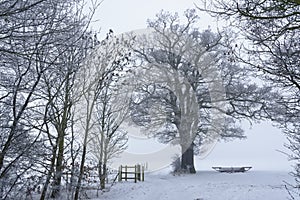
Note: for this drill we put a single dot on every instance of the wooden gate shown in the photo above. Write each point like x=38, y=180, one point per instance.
x=131, y=172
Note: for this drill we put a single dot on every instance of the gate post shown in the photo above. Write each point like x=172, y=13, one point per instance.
x=120, y=174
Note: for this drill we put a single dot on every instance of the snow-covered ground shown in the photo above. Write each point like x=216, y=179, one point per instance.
x=265, y=181
x=205, y=185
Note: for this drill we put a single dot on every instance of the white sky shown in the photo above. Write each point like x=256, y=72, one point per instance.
x=128, y=15
x=259, y=150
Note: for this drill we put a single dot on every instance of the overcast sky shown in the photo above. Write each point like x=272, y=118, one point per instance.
x=127, y=15
x=259, y=150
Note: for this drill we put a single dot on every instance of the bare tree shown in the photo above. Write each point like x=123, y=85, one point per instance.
x=271, y=29
x=60, y=99
x=110, y=140
x=194, y=92
x=35, y=35
x=100, y=73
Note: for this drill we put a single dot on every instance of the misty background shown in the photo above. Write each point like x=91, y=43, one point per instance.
x=263, y=149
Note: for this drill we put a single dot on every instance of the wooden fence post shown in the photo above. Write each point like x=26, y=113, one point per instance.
x=120, y=173
x=125, y=172
x=136, y=169
x=135, y=173
x=143, y=176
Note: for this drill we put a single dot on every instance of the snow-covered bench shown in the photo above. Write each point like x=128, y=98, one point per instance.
x=231, y=169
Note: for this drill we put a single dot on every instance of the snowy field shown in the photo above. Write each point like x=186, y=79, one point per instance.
x=264, y=182
x=205, y=185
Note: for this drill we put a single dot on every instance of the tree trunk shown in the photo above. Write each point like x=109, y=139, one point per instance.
x=187, y=159
x=49, y=175
x=81, y=172
x=78, y=185
x=59, y=167
x=103, y=177
x=61, y=127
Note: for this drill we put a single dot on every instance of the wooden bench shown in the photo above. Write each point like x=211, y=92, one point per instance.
x=231, y=169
